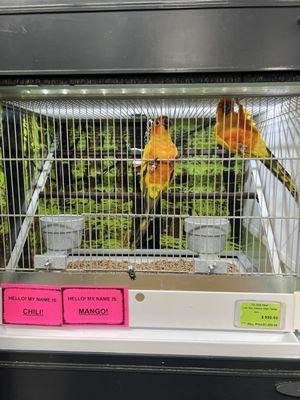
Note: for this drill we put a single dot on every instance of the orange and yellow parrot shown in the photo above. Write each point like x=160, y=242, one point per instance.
x=157, y=172
x=236, y=131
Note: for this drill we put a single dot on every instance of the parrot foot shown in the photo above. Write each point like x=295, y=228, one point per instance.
x=242, y=148
x=154, y=165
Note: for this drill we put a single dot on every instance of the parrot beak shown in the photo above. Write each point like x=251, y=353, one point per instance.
x=165, y=122
x=227, y=107
x=161, y=121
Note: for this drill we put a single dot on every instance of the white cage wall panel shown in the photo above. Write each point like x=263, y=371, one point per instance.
x=82, y=156
x=287, y=145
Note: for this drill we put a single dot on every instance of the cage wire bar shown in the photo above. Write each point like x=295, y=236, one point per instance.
x=61, y=157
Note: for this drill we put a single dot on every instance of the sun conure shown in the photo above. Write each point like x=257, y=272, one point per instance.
x=157, y=172
x=236, y=131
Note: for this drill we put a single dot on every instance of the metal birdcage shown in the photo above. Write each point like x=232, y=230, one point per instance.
x=72, y=166
x=195, y=286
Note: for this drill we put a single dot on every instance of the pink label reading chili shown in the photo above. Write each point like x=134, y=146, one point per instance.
x=106, y=306
x=31, y=305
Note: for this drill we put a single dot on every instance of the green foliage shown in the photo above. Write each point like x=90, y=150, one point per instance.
x=112, y=233
x=201, y=139
x=171, y=242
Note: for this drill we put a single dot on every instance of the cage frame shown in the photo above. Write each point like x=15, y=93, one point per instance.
x=142, y=91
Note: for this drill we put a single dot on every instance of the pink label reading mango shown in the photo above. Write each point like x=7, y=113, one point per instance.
x=106, y=306
x=31, y=305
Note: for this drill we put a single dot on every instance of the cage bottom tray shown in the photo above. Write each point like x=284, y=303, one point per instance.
x=153, y=264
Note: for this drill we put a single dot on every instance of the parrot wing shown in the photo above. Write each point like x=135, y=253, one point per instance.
x=145, y=162
x=149, y=204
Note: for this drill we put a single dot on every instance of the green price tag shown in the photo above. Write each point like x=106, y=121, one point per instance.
x=260, y=315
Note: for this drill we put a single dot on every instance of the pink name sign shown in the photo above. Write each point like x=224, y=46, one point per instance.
x=106, y=306
x=31, y=305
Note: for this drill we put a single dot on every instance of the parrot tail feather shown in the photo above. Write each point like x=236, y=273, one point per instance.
x=281, y=174
x=149, y=207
